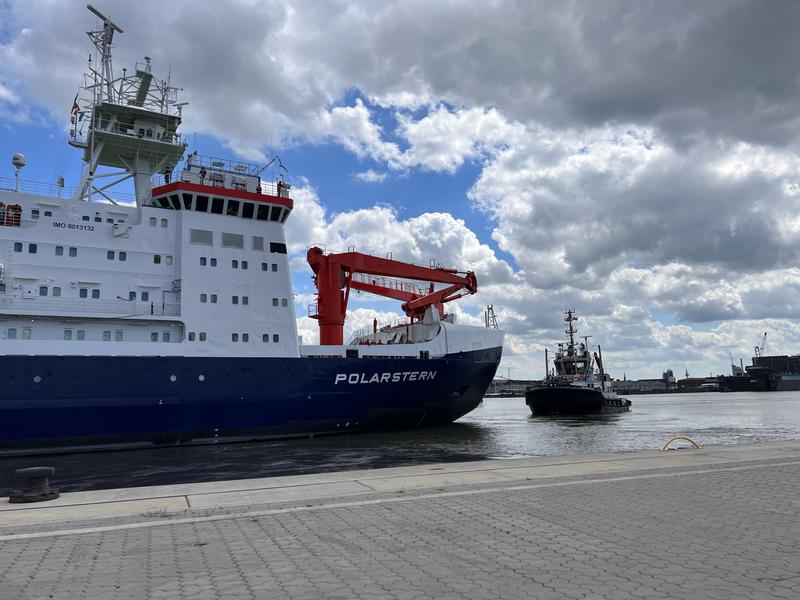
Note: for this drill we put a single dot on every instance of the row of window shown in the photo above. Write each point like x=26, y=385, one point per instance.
x=233, y=240
x=80, y=334
x=244, y=300
x=153, y=222
x=223, y=206
x=206, y=261
x=36, y=213
x=119, y=335
x=245, y=337
x=120, y=255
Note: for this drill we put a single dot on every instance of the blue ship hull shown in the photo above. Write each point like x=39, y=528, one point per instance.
x=51, y=402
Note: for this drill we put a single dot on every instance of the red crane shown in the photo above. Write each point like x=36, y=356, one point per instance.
x=334, y=278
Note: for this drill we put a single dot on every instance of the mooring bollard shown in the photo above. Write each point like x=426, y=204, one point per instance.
x=35, y=485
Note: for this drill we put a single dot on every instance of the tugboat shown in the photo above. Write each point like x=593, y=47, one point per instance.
x=169, y=318
x=575, y=388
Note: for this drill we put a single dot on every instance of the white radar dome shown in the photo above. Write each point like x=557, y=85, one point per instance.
x=18, y=160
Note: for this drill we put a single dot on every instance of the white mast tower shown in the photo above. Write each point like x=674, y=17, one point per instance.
x=132, y=122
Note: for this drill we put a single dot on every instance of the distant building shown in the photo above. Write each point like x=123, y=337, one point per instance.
x=500, y=388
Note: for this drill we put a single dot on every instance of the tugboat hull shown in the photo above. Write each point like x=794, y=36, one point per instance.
x=573, y=400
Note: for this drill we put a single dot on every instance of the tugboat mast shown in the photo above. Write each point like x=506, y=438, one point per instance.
x=570, y=317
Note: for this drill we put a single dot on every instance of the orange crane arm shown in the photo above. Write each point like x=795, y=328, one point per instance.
x=333, y=273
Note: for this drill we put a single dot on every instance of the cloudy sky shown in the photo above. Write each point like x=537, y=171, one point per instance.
x=636, y=161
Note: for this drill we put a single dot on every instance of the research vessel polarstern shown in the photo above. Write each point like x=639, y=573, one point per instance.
x=576, y=387
x=171, y=319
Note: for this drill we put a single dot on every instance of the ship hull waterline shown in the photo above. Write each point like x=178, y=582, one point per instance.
x=56, y=403
x=571, y=400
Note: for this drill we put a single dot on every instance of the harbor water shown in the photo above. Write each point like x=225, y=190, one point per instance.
x=499, y=428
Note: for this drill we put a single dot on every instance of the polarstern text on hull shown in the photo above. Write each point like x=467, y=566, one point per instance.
x=355, y=378
x=168, y=316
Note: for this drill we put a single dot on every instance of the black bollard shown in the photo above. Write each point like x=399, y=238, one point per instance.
x=35, y=485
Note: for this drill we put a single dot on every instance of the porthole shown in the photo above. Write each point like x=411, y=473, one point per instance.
x=37, y=379
x=201, y=377
x=173, y=378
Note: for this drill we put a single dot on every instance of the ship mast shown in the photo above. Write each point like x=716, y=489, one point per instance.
x=131, y=126
x=571, y=331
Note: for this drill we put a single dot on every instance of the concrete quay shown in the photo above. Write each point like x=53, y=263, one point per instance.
x=718, y=523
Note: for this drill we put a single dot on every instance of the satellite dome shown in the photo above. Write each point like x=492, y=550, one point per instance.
x=18, y=160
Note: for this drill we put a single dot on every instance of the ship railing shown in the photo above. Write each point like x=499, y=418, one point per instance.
x=388, y=283
x=39, y=188
x=53, y=190
x=16, y=303
x=367, y=332
x=248, y=183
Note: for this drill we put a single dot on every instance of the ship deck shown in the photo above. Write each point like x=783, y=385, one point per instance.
x=640, y=524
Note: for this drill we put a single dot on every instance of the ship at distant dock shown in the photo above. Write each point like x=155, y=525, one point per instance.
x=775, y=373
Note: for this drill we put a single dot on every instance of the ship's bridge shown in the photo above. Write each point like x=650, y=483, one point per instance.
x=222, y=187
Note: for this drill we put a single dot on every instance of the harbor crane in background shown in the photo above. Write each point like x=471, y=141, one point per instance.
x=762, y=347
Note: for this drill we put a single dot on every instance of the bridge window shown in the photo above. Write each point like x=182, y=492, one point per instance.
x=277, y=247
x=217, y=205
x=202, y=204
x=248, y=208
x=262, y=214
x=286, y=212
x=187, y=201
x=202, y=236
x=232, y=240
x=175, y=201
x=275, y=214
x=233, y=208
